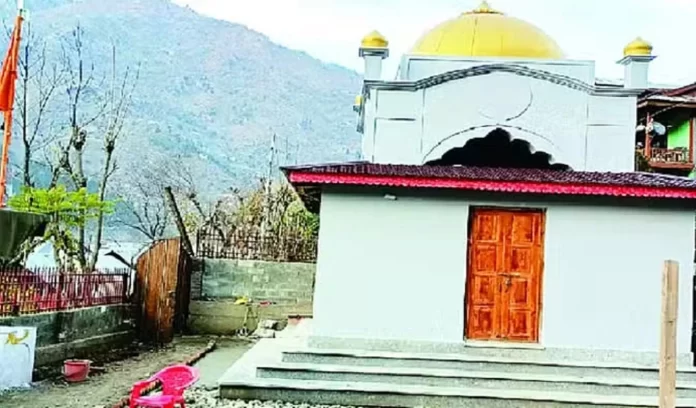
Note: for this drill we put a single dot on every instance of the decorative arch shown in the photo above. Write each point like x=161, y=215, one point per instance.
x=498, y=149
x=534, y=141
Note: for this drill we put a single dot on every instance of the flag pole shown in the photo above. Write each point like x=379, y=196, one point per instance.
x=7, y=136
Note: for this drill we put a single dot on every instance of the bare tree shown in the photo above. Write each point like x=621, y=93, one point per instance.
x=89, y=110
x=39, y=79
x=120, y=98
x=70, y=156
x=147, y=209
x=143, y=197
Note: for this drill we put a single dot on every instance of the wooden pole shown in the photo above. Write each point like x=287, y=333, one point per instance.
x=4, y=156
x=178, y=220
x=668, y=335
x=647, y=150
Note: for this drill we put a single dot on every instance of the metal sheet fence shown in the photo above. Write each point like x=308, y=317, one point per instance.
x=30, y=291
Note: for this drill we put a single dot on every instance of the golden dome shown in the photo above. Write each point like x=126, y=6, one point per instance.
x=485, y=32
x=374, y=40
x=638, y=47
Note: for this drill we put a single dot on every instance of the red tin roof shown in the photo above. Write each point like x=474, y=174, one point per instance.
x=525, y=181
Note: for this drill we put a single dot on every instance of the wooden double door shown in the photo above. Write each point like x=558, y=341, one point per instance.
x=504, y=275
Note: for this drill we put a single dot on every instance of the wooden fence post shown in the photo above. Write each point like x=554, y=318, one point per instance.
x=125, y=281
x=668, y=335
x=61, y=287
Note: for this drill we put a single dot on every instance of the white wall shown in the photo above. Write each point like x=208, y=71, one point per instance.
x=396, y=270
x=583, y=131
x=551, y=117
x=390, y=274
x=602, y=280
x=419, y=67
x=611, y=128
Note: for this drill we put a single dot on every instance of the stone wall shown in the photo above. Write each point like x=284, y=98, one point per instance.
x=216, y=283
x=69, y=334
x=279, y=282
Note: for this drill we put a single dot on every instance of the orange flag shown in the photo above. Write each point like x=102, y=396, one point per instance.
x=8, y=76
x=9, y=69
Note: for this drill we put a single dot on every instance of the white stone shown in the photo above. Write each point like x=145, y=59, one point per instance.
x=17, y=348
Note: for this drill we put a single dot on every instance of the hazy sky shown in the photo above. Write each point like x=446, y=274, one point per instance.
x=586, y=29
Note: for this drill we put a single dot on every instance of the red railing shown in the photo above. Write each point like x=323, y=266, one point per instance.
x=26, y=291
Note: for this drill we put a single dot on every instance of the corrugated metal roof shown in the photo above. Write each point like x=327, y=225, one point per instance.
x=533, y=181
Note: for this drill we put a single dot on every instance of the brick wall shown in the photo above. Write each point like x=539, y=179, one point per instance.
x=197, y=267
x=215, y=283
x=283, y=283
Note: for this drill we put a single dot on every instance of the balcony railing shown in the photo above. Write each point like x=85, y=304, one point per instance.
x=664, y=156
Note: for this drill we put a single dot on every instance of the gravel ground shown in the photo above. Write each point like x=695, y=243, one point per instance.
x=103, y=390
x=200, y=398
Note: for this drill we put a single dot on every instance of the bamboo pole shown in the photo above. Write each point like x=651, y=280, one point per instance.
x=668, y=334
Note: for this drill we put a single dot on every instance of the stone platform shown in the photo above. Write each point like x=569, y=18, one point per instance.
x=289, y=369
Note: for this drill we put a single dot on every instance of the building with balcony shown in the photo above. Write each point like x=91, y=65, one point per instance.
x=667, y=147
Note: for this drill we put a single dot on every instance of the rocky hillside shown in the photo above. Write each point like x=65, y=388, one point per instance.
x=210, y=93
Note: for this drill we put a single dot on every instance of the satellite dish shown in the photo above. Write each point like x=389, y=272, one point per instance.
x=657, y=128
x=640, y=128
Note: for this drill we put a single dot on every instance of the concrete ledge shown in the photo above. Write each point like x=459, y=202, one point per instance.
x=224, y=317
x=393, y=395
x=495, y=349
x=63, y=351
x=467, y=363
x=551, y=381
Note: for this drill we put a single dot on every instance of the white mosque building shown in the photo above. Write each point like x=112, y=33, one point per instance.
x=486, y=70
x=495, y=246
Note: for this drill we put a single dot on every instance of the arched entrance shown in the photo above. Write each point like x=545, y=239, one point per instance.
x=498, y=149
x=503, y=299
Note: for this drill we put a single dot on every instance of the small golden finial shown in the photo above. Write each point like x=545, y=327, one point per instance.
x=484, y=8
x=374, y=40
x=637, y=48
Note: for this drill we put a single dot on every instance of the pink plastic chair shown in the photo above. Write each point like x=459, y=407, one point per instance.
x=174, y=379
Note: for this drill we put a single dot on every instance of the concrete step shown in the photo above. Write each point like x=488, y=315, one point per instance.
x=521, y=351
x=470, y=379
x=466, y=362
x=404, y=395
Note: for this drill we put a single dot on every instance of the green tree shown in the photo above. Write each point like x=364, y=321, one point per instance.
x=69, y=212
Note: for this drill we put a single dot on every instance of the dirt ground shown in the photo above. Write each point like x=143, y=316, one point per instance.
x=105, y=389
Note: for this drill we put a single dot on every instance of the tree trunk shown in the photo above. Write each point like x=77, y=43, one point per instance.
x=79, y=142
x=100, y=217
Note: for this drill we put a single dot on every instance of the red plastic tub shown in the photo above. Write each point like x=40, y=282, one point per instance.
x=76, y=370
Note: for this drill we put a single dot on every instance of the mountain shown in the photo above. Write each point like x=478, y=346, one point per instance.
x=210, y=93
